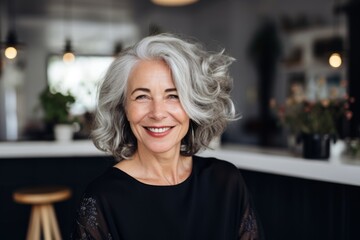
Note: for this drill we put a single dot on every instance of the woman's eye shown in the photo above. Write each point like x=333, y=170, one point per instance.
x=173, y=96
x=142, y=97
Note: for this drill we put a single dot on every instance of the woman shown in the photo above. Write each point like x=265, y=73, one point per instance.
x=162, y=101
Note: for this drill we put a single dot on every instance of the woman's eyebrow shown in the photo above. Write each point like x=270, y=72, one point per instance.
x=171, y=90
x=148, y=90
x=140, y=89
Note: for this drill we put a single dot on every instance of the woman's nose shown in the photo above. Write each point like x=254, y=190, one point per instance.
x=157, y=110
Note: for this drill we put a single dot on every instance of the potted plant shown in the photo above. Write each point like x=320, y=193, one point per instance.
x=56, y=108
x=314, y=122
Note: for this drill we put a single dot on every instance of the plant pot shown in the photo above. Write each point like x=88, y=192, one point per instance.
x=337, y=149
x=215, y=143
x=294, y=145
x=63, y=132
x=316, y=146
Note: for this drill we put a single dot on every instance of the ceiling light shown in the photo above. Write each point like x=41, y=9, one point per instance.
x=173, y=3
x=10, y=52
x=69, y=55
x=335, y=60
x=10, y=45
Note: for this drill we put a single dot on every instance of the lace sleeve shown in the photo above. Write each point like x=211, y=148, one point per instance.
x=249, y=229
x=90, y=222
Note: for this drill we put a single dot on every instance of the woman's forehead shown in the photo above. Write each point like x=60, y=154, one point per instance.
x=151, y=74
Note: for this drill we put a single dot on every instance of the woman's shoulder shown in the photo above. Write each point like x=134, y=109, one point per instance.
x=107, y=182
x=219, y=173
x=214, y=163
x=216, y=166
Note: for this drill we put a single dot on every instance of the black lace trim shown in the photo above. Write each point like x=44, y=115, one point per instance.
x=88, y=211
x=249, y=223
x=87, y=222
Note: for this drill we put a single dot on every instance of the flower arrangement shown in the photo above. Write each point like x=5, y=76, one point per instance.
x=313, y=117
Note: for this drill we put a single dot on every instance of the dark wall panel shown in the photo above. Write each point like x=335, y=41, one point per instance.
x=289, y=208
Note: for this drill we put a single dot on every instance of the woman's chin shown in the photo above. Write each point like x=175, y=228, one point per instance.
x=162, y=148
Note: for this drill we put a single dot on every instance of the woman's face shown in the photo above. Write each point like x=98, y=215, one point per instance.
x=153, y=108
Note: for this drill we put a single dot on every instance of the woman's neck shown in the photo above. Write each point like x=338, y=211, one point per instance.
x=166, y=168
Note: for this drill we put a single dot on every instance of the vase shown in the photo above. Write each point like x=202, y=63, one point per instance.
x=316, y=146
x=215, y=143
x=294, y=145
x=63, y=132
x=337, y=149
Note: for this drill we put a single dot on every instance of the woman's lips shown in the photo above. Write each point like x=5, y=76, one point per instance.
x=158, y=131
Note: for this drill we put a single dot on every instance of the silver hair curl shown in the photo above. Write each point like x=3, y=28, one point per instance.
x=202, y=81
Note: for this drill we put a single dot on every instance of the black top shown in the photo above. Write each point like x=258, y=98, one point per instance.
x=212, y=203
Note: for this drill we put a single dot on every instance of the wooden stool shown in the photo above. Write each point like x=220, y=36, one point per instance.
x=42, y=212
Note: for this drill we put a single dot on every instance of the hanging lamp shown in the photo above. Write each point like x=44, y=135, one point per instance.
x=69, y=55
x=11, y=45
x=173, y=3
x=335, y=60
x=336, y=56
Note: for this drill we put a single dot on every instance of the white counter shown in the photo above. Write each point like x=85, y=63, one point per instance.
x=276, y=162
x=48, y=149
x=342, y=171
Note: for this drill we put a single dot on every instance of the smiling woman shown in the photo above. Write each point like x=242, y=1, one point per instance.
x=161, y=102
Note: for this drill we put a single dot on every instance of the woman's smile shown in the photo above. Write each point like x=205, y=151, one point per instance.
x=158, y=132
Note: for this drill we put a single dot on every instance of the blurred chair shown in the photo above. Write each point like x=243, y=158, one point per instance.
x=43, y=215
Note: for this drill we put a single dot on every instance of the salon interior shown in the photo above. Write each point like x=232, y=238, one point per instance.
x=296, y=63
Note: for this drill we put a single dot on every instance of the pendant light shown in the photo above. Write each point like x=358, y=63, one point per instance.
x=11, y=45
x=68, y=53
x=335, y=60
x=337, y=54
x=173, y=3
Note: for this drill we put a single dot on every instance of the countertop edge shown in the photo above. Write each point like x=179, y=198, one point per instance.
x=335, y=170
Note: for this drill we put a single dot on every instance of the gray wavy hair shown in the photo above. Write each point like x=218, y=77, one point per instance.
x=200, y=77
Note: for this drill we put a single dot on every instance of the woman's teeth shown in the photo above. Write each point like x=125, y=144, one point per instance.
x=158, y=130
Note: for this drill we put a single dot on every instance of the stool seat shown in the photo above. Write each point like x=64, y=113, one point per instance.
x=41, y=195
x=43, y=215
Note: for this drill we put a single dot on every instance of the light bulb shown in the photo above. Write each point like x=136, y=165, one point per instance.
x=68, y=57
x=10, y=52
x=173, y=3
x=335, y=60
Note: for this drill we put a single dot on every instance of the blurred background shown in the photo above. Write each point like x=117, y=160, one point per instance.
x=296, y=71
x=278, y=45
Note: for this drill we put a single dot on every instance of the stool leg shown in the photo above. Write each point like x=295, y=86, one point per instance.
x=45, y=223
x=34, y=224
x=53, y=222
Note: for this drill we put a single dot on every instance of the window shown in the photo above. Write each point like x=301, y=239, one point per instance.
x=79, y=78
